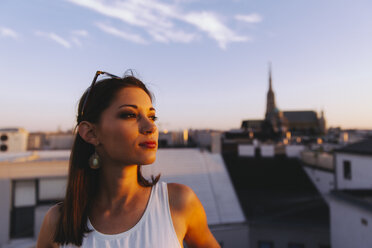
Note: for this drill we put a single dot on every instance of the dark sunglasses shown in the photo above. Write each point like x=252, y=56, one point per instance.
x=91, y=87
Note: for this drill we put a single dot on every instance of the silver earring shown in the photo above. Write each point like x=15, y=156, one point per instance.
x=94, y=161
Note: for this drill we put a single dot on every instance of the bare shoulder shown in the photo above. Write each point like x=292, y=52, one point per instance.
x=187, y=205
x=181, y=197
x=46, y=235
x=54, y=213
x=52, y=216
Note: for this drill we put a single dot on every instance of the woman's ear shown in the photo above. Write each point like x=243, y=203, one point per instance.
x=87, y=132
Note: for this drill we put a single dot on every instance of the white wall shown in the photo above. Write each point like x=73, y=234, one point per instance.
x=60, y=141
x=246, y=150
x=294, y=151
x=216, y=143
x=361, y=171
x=24, y=193
x=52, y=188
x=267, y=150
x=16, y=142
x=347, y=229
x=323, y=180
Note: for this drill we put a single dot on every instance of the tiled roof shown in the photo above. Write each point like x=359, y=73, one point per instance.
x=300, y=116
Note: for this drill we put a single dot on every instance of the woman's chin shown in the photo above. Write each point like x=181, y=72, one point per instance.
x=149, y=159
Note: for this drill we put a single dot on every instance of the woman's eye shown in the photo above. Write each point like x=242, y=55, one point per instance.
x=128, y=115
x=154, y=118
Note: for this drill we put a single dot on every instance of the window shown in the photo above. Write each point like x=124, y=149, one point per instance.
x=347, y=170
x=22, y=222
x=265, y=244
x=23, y=208
x=3, y=148
x=296, y=245
x=364, y=221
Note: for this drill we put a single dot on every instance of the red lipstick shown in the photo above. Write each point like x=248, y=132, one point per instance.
x=148, y=144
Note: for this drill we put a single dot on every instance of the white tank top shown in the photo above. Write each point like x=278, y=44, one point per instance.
x=155, y=228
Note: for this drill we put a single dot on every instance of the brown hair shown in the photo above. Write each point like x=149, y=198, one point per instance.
x=83, y=182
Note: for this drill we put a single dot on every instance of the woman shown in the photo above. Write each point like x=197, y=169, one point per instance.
x=108, y=202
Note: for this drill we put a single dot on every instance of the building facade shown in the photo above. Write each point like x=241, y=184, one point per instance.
x=277, y=123
x=13, y=140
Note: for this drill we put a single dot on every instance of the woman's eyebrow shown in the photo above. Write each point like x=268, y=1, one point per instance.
x=134, y=106
x=128, y=105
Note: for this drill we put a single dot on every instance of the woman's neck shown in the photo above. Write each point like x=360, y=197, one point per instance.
x=118, y=187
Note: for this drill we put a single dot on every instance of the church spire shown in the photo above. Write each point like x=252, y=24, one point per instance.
x=270, y=104
x=270, y=78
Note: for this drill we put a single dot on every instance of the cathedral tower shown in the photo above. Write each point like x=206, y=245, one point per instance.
x=270, y=104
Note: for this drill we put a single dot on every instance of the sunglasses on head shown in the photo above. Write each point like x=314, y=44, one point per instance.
x=92, y=85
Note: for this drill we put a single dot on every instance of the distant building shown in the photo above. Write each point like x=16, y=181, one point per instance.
x=13, y=140
x=351, y=218
x=319, y=167
x=305, y=122
x=36, y=141
x=60, y=140
x=354, y=166
x=30, y=182
x=351, y=202
x=277, y=122
x=252, y=125
x=173, y=139
x=202, y=138
x=50, y=140
x=344, y=180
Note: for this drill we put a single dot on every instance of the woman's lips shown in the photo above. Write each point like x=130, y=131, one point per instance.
x=148, y=144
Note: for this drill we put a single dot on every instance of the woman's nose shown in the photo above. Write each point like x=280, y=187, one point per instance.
x=147, y=126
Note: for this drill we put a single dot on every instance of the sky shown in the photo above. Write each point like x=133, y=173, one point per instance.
x=205, y=61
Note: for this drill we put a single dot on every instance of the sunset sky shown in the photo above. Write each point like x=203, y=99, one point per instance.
x=206, y=61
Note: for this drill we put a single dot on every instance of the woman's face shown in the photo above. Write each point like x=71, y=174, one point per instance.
x=126, y=131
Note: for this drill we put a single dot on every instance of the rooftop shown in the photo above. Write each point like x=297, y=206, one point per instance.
x=13, y=130
x=363, y=147
x=300, y=116
x=359, y=198
x=34, y=164
x=277, y=191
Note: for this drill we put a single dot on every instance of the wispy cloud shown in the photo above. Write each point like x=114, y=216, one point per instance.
x=165, y=22
x=76, y=35
x=209, y=23
x=251, y=18
x=124, y=35
x=81, y=32
x=54, y=37
x=76, y=41
x=8, y=32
